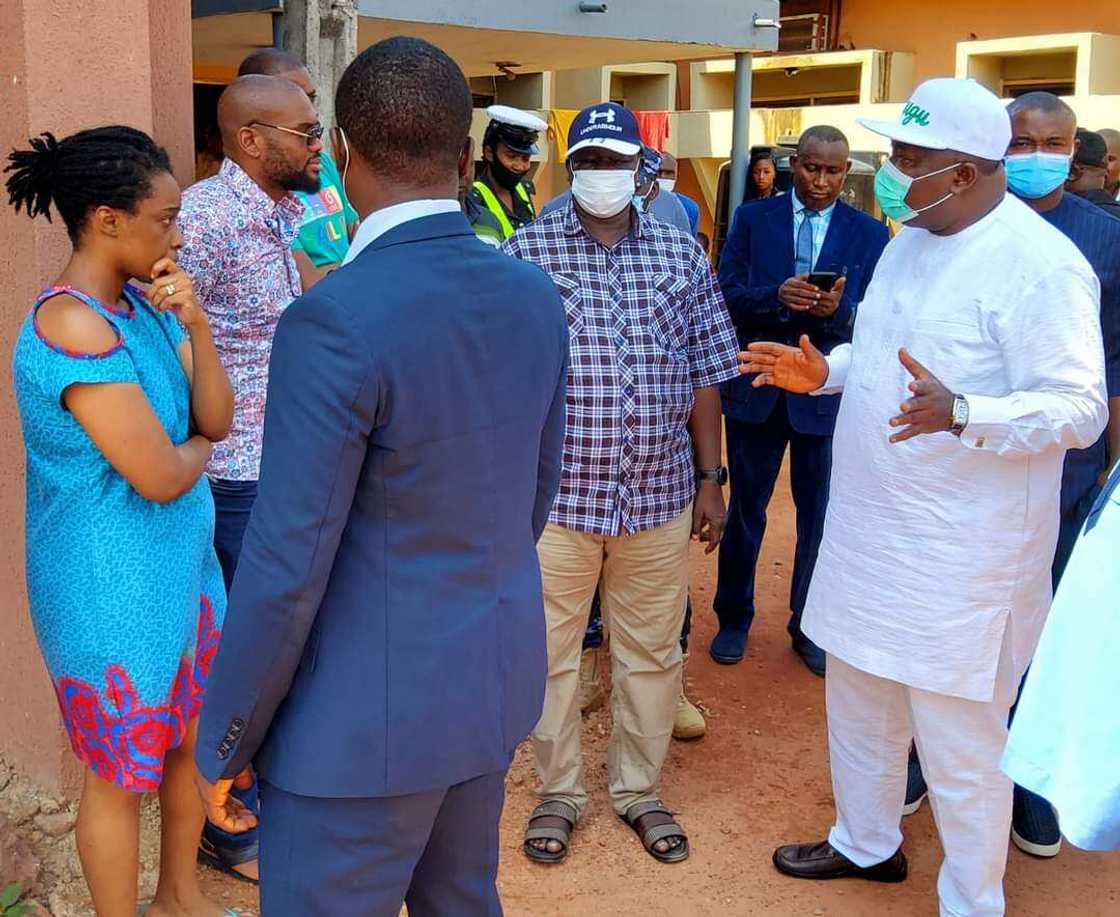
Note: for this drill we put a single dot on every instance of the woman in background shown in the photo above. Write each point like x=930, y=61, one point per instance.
x=763, y=172
x=119, y=410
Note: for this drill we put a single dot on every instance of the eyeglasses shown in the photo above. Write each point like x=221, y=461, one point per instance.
x=316, y=133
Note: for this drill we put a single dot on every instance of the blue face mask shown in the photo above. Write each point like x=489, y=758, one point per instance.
x=1034, y=175
x=892, y=185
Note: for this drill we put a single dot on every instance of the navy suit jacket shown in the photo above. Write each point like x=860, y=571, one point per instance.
x=385, y=632
x=757, y=258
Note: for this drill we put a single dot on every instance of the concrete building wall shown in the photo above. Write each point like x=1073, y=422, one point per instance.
x=726, y=23
x=66, y=66
x=932, y=29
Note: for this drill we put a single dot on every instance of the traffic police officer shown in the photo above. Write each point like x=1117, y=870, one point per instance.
x=483, y=222
x=501, y=189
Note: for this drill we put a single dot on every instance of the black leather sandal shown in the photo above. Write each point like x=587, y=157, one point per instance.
x=563, y=816
x=652, y=822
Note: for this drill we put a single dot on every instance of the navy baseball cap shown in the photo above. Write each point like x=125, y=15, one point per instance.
x=608, y=125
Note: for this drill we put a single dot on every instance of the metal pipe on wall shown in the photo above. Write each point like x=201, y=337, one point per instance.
x=740, y=134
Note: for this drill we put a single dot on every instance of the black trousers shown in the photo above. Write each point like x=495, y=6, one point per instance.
x=754, y=453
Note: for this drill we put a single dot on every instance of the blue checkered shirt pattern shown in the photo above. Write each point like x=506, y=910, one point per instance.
x=647, y=326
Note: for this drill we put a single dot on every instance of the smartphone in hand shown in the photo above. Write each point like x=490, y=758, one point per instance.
x=823, y=280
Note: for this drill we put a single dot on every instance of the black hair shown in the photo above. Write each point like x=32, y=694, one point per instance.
x=821, y=133
x=269, y=62
x=1093, y=151
x=106, y=166
x=764, y=154
x=406, y=109
x=1041, y=101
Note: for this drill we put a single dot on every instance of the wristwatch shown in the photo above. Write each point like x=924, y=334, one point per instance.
x=960, y=415
x=718, y=475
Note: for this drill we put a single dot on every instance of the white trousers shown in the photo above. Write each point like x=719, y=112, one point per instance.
x=870, y=723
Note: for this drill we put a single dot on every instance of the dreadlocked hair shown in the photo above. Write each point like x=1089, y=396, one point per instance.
x=106, y=166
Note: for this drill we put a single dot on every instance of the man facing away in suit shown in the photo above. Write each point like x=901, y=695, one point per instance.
x=775, y=248
x=385, y=651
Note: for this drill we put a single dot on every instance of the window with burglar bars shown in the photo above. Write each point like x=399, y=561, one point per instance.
x=808, y=26
x=808, y=32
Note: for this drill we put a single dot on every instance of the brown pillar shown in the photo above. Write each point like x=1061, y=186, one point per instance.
x=65, y=66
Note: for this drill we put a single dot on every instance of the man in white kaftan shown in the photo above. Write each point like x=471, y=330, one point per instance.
x=933, y=578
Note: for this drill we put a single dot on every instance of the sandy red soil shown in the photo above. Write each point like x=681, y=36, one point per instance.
x=758, y=779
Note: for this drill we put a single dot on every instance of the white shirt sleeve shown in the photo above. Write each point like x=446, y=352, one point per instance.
x=839, y=362
x=1054, y=358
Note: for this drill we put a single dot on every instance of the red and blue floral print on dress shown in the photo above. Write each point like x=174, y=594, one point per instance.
x=126, y=742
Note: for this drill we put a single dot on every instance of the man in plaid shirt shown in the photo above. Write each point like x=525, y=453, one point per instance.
x=650, y=342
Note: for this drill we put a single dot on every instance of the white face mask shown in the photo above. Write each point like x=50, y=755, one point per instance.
x=667, y=184
x=604, y=192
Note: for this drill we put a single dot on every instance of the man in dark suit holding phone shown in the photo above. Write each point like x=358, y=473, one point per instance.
x=793, y=265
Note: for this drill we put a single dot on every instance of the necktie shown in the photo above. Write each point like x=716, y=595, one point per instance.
x=803, y=263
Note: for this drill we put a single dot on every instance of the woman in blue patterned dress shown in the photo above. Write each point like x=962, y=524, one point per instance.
x=119, y=410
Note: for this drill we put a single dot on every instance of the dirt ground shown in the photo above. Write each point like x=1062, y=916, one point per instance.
x=758, y=779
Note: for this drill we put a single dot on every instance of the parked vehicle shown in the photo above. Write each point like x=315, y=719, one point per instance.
x=859, y=189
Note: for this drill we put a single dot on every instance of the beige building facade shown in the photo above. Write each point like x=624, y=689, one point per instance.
x=880, y=51
x=837, y=60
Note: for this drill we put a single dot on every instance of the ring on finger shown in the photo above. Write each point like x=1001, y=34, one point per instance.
x=171, y=289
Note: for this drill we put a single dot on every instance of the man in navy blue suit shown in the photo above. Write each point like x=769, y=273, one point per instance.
x=384, y=651
x=767, y=271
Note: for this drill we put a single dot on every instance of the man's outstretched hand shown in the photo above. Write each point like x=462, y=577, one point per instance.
x=931, y=408
x=796, y=369
x=223, y=810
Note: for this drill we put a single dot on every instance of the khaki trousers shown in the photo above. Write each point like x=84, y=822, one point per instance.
x=644, y=588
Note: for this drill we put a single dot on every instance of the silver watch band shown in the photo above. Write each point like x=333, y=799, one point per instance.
x=960, y=415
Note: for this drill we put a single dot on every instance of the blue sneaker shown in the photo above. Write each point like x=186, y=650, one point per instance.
x=728, y=646
x=916, y=789
x=1034, y=827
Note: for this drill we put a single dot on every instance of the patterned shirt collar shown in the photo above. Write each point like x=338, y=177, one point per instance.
x=573, y=225
x=288, y=210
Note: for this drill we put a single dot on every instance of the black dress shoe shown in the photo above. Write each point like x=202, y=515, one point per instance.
x=823, y=861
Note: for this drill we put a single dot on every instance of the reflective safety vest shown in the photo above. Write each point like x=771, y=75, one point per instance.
x=482, y=221
x=496, y=208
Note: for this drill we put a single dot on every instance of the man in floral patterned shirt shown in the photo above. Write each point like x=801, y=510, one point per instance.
x=238, y=229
